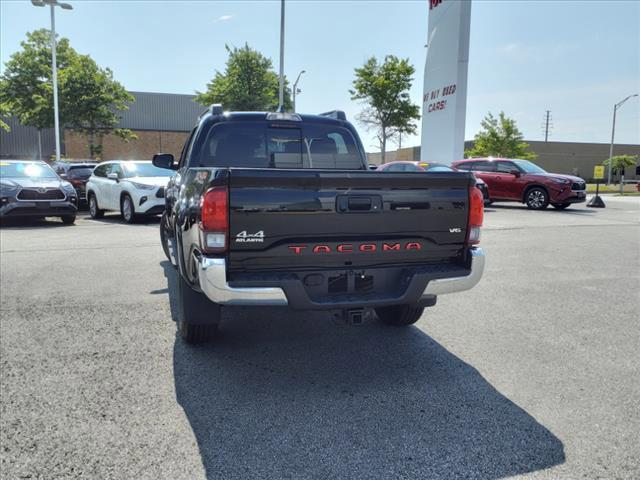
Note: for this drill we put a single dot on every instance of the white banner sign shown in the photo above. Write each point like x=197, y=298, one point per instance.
x=444, y=100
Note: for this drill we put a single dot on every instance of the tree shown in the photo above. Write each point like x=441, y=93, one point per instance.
x=499, y=137
x=247, y=84
x=4, y=111
x=88, y=94
x=384, y=90
x=620, y=162
x=25, y=86
x=91, y=97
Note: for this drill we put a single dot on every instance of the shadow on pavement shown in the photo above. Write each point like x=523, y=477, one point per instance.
x=117, y=219
x=570, y=210
x=293, y=395
x=32, y=223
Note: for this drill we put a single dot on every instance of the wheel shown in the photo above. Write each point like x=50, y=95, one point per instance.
x=68, y=219
x=399, y=315
x=560, y=206
x=537, y=198
x=94, y=211
x=199, y=316
x=165, y=234
x=127, y=209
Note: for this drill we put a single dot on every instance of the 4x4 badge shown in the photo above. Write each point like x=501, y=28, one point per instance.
x=244, y=237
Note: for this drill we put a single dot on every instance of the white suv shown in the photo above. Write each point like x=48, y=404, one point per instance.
x=129, y=187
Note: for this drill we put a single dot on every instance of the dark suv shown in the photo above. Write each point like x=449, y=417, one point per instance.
x=77, y=174
x=515, y=180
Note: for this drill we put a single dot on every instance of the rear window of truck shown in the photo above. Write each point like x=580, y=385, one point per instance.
x=263, y=145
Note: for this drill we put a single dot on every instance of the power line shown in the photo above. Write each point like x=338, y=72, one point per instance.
x=547, y=125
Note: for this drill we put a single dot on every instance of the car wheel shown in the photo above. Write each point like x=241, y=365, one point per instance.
x=537, y=198
x=94, y=211
x=560, y=206
x=399, y=315
x=165, y=234
x=199, y=317
x=127, y=210
x=68, y=219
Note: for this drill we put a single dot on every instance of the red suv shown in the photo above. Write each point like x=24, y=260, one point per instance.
x=513, y=180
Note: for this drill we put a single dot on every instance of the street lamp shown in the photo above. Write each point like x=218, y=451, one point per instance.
x=281, y=90
x=613, y=132
x=54, y=66
x=295, y=89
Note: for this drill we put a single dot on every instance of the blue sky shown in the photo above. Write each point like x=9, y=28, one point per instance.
x=575, y=58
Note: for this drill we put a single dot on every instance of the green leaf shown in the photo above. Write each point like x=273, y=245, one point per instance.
x=499, y=137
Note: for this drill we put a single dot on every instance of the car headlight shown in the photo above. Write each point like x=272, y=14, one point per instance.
x=68, y=188
x=561, y=181
x=142, y=186
x=8, y=187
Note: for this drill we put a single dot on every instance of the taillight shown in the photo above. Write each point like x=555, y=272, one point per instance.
x=215, y=219
x=476, y=215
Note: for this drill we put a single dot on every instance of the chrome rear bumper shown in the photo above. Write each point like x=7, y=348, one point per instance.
x=212, y=273
x=441, y=286
x=213, y=281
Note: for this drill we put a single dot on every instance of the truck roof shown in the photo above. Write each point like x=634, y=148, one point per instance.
x=262, y=116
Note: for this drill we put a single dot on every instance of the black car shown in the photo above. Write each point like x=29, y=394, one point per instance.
x=32, y=188
x=431, y=167
x=77, y=174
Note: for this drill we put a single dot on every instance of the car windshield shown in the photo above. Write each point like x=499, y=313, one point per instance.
x=26, y=170
x=529, y=167
x=79, y=172
x=139, y=169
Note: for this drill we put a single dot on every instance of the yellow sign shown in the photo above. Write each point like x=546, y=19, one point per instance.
x=598, y=172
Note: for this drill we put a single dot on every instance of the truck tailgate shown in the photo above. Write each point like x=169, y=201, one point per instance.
x=283, y=220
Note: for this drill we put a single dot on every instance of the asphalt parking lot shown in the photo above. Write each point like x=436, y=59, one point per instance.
x=532, y=373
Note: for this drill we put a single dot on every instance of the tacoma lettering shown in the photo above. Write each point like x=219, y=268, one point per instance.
x=363, y=248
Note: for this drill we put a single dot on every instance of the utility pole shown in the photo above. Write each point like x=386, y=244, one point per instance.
x=281, y=96
x=54, y=69
x=547, y=125
x=613, y=133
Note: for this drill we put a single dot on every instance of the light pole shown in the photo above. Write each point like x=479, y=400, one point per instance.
x=54, y=66
x=613, y=132
x=281, y=93
x=295, y=89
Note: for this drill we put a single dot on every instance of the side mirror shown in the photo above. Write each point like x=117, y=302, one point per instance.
x=163, y=160
x=515, y=172
x=113, y=176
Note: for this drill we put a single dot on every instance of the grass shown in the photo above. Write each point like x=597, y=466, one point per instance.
x=627, y=189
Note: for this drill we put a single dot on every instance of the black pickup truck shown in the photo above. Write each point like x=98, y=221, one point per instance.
x=282, y=209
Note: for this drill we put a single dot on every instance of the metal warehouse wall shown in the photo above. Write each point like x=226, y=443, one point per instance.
x=161, y=111
x=155, y=112
x=560, y=157
x=22, y=142
x=578, y=158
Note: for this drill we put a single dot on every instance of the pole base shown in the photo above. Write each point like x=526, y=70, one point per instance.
x=596, y=202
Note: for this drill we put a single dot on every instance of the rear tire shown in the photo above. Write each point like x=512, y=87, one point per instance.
x=399, y=315
x=199, y=316
x=94, y=211
x=165, y=234
x=68, y=219
x=536, y=198
x=560, y=206
x=127, y=209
